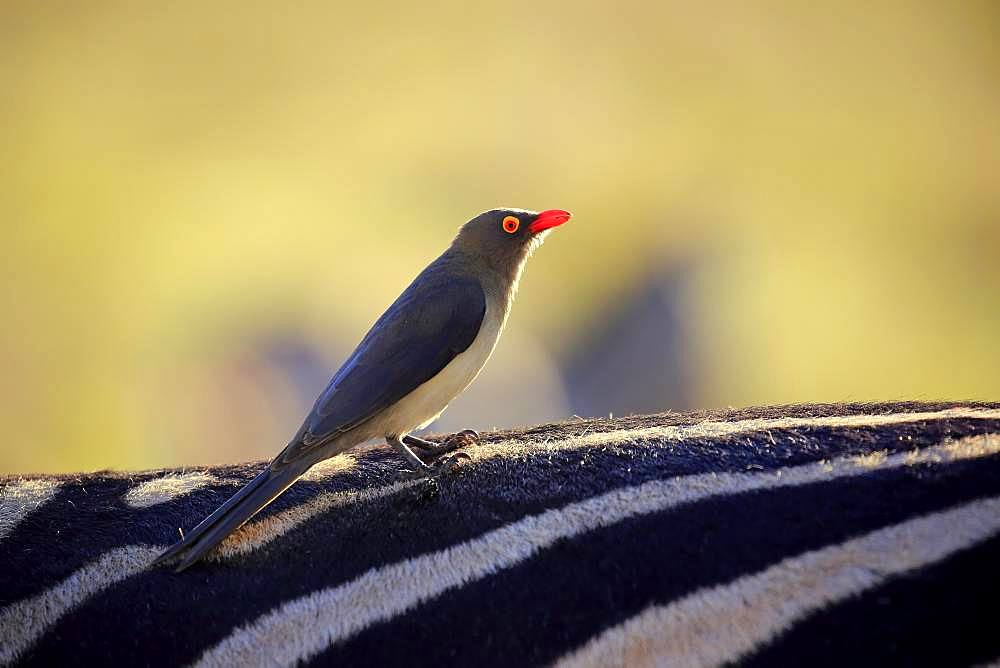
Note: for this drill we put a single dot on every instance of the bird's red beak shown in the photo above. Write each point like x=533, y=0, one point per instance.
x=550, y=218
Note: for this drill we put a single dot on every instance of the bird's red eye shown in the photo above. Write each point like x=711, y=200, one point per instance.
x=511, y=224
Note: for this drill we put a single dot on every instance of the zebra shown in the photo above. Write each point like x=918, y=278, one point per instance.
x=864, y=533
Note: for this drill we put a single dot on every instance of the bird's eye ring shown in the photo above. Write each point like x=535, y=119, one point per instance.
x=511, y=224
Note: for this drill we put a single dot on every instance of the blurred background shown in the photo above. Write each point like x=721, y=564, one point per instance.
x=205, y=205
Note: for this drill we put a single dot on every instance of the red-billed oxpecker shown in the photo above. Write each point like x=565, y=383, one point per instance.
x=422, y=353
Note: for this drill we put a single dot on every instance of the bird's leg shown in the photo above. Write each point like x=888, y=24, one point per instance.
x=421, y=444
x=437, y=450
x=462, y=439
x=415, y=462
x=453, y=442
x=403, y=443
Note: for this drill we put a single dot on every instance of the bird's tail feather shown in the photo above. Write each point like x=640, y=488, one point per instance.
x=247, y=502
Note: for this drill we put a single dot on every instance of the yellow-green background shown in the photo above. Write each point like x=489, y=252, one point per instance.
x=178, y=177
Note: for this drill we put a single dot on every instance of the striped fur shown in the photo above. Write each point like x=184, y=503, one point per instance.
x=861, y=533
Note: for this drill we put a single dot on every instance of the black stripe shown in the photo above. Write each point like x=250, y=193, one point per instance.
x=537, y=610
x=85, y=519
x=591, y=425
x=88, y=517
x=92, y=519
x=943, y=615
x=533, y=613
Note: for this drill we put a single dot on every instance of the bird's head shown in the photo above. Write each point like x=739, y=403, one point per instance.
x=506, y=237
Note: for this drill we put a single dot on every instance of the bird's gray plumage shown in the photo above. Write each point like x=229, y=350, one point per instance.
x=421, y=353
x=434, y=320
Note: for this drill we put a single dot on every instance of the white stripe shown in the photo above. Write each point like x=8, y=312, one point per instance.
x=305, y=626
x=716, y=429
x=34, y=623
x=716, y=626
x=253, y=535
x=20, y=498
x=22, y=623
x=328, y=468
x=175, y=485
x=167, y=488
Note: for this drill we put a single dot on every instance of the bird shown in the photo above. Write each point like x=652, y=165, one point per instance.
x=427, y=347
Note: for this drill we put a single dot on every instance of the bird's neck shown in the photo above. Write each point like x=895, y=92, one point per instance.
x=499, y=276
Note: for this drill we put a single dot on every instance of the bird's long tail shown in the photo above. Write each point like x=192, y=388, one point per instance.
x=243, y=505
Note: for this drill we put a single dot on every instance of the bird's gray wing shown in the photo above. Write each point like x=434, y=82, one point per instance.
x=434, y=320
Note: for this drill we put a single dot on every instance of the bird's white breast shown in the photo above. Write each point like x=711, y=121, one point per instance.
x=424, y=404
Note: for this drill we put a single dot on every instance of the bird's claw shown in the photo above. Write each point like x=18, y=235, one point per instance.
x=462, y=439
x=434, y=459
x=450, y=463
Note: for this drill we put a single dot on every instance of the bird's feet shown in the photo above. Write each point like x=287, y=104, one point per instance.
x=451, y=462
x=448, y=463
x=438, y=463
x=442, y=465
x=462, y=439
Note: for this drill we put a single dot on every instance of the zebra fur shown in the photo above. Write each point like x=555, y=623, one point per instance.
x=779, y=535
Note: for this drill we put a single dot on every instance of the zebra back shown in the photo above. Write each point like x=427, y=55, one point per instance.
x=820, y=534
